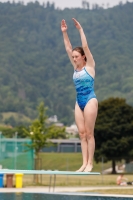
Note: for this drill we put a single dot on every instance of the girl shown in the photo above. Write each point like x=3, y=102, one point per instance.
x=86, y=103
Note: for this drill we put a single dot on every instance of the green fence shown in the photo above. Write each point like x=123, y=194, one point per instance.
x=14, y=154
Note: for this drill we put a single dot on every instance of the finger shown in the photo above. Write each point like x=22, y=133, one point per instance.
x=62, y=21
x=74, y=20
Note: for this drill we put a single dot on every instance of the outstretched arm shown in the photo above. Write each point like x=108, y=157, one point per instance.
x=67, y=42
x=90, y=60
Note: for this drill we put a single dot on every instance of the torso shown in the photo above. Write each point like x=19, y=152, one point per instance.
x=84, y=85
x=118, y=180
x=83, y=80
x=90, y=70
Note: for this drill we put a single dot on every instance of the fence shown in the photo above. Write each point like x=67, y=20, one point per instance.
x=14, y=154
x=64, y=145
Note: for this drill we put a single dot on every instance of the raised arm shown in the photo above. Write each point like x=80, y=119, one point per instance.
x=90, y=60
x=67, y=42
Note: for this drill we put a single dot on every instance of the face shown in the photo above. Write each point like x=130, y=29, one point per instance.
x=78, y=58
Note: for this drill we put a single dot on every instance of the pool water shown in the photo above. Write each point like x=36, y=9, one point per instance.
x=55, y=196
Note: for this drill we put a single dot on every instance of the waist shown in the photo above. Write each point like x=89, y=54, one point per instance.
x=85, y=92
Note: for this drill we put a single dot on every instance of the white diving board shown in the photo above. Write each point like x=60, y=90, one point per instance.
x=48, y=172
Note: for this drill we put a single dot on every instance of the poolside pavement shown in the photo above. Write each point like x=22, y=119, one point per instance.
x=40, y=189
x=72, y=191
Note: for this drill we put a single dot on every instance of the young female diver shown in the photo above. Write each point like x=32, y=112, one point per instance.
x=86, y=103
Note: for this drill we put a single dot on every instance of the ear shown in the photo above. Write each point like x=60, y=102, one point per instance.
x=83, y=57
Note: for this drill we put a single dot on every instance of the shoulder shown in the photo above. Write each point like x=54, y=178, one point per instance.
x=90, y=70
x=90, y=62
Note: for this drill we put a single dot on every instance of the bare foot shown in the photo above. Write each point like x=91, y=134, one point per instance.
x=81, y=169
x=88, y=168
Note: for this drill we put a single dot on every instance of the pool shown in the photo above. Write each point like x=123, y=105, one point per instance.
x=61, y=196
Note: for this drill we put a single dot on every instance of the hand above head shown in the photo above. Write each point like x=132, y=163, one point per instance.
x=76, y=23
x=63, y=26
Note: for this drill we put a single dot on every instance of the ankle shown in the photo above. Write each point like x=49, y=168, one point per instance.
x=90, y=163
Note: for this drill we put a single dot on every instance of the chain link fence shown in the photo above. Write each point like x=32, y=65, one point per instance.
x=14, y=153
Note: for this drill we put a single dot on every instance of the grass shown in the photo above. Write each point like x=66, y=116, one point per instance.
x=72, y=161
x=66, y=162
x=67, y=180
x=83, y=181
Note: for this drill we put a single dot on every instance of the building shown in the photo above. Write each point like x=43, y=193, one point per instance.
x=64, y=145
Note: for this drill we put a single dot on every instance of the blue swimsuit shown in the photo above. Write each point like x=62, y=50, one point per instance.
x=84, y=84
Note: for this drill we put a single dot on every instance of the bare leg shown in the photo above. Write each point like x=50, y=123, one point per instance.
x=90, y=114
x=79, y=118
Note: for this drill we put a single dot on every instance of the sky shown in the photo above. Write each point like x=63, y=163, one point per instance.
x=78, y=3
x=74, y=3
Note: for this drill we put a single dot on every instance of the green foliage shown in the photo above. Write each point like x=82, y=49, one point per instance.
x=113, y=130
x=9, y=132
x=55, y=132
x=14, y=119
x=39, y=131
x=34, y=65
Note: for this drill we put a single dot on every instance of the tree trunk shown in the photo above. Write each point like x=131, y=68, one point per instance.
x=37, y=163
x=113, y=167
x=36, y=176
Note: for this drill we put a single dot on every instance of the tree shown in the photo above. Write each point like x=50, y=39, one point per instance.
x=33, y=42
x=113, y=131
x=40, y=132
x=85, y=5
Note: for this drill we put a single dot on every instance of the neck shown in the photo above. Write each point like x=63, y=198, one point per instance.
x=80, y=66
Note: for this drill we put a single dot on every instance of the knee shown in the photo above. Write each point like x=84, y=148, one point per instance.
x=82, y=134
x=89, y=134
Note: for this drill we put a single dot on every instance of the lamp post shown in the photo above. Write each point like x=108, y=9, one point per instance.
x=15, y=151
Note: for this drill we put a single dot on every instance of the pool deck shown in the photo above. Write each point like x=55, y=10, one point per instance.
x=66, y=190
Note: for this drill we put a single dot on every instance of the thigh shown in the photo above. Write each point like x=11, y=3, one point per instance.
x=79, y=119
x=90, y=114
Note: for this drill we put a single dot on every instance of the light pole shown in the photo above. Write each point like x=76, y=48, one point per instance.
x=15, y=151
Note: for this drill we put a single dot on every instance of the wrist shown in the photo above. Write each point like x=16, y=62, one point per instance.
x=64, y=32
x=80, y=29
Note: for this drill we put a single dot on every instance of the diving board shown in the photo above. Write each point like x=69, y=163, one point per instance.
x=48, y=172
